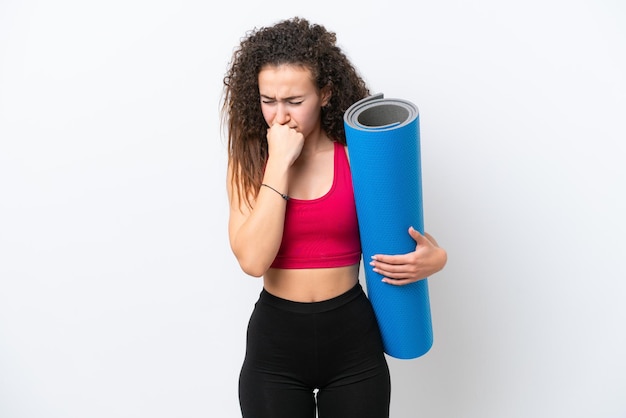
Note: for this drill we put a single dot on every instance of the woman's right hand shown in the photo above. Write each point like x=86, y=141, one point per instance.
x=284, y=143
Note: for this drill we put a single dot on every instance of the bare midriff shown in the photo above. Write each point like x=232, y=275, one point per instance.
x=310, y=285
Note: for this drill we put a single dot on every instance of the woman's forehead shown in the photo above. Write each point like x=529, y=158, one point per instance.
x=285, y=79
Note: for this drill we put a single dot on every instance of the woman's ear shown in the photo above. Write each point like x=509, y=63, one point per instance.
x=326, y=93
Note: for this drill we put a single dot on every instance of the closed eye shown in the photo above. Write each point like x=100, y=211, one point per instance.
x=290, y=100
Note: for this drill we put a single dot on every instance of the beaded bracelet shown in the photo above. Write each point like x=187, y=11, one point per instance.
x=284, y=196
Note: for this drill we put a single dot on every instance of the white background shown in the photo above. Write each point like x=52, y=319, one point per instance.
x=119, y=296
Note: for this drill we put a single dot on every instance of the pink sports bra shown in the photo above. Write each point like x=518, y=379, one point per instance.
x=322, y=232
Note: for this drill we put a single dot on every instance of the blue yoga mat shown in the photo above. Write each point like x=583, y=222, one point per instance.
x=384, y=147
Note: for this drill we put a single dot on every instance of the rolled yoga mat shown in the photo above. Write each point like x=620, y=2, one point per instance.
x=384, y=148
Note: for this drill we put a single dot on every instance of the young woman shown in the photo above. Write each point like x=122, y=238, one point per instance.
x=313, y=342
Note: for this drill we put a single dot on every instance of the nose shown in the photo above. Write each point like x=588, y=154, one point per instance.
x=282, y=114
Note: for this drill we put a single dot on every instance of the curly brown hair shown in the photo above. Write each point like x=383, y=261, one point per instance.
x=294, y=42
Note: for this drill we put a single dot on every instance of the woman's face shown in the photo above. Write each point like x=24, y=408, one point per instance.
x=289, y=97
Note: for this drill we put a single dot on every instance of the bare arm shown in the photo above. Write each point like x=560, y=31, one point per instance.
x=256, y=233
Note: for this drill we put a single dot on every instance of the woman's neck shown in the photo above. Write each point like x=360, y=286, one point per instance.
x=315, y=143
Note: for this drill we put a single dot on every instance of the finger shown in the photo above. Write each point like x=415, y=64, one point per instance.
x=414, y=233
x=399, y=282
x=394, y=271
x=419, y=238
x=387, y=259
x=404, y=275
x=431, y=239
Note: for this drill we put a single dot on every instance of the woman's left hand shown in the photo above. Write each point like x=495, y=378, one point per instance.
x=427, y=259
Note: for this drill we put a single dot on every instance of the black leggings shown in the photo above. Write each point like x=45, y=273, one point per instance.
x=325, y=354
